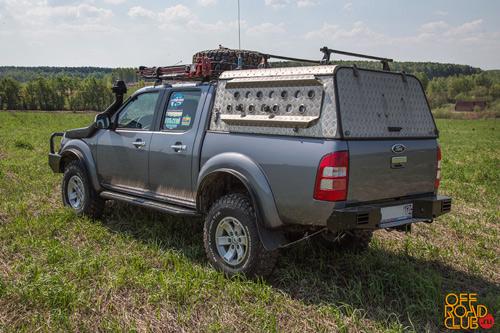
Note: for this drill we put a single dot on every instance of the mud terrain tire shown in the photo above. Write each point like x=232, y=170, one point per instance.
x=227, y=59
x=78, y=194
x=231, y=238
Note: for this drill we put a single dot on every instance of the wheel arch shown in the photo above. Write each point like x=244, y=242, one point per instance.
x=233, y=173
x=78, y=150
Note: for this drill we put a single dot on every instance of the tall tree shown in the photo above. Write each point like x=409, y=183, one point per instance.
x=10, y=94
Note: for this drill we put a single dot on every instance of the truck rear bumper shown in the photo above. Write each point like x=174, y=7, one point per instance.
x=369, y=217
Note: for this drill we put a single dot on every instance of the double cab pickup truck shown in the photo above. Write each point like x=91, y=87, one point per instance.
x=264, y=155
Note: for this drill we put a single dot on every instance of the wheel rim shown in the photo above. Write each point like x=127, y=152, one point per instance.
x=76, y=192
x=231, y=241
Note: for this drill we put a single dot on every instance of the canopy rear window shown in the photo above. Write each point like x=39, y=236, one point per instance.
x=377, y=104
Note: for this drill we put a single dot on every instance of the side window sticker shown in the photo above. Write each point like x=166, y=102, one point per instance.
x=177, y=100
x=181, y=110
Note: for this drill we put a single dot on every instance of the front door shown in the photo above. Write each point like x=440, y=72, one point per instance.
x=171, y=150
x=123, y=153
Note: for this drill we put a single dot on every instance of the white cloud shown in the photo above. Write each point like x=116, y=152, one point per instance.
x=180, y=18
x=305, y=3
x=177, y=13
x=434, y=26
x=141, y=12
x=205, y=3
x=336, y=32
x=209, y=28
x=38, y=13
x=275, y=4
x=265, y=29
x=348, y=6
x=72, y=30
x=466, y=30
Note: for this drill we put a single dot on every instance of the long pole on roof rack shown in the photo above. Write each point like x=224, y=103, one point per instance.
x=326, y=49
x=291, y=59
x=239, y=27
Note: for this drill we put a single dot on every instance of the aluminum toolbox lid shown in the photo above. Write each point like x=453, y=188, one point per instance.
x=279, y=72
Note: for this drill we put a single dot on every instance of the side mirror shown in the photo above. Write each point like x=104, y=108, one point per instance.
x=102, y=121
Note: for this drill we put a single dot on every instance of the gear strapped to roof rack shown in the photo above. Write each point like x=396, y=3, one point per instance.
x=207, y=68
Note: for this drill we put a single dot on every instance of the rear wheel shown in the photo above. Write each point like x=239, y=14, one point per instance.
x=78, y=194
x=227, y=59
x=350, y=240
x=232, y=241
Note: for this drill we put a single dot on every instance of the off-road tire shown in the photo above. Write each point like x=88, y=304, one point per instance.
x=78, y=194
x=227, y=59
x=234, y=209
x=348, y=241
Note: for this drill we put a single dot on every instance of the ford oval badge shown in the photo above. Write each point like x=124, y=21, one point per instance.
x=398, y=148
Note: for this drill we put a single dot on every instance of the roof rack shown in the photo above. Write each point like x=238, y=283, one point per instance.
x=206, y=69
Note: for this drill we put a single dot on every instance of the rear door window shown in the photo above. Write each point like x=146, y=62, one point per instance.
x=181, y=110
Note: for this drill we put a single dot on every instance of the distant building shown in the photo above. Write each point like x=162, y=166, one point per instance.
x=470, y=106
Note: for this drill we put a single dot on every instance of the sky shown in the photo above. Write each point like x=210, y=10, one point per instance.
x=130, y=33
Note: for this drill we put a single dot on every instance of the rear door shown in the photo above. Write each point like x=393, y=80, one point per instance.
x=123, y=153
x=172, y=147
x=390, y=132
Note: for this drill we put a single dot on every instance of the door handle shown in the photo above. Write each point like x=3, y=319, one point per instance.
x=139, y=143
x=178, y=147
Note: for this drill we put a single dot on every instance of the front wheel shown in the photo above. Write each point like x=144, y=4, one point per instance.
x=78, y=194
x=232, y=241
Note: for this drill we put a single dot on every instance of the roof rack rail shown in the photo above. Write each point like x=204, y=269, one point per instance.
x=327, y=52
x=206, y=69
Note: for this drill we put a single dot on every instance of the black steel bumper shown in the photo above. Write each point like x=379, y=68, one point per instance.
x=369, y=217
x=54, y=158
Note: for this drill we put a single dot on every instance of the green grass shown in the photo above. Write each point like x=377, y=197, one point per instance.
x=137, y=270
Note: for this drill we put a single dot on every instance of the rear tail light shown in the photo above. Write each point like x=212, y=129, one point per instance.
x=438, y=168
x=331, y=181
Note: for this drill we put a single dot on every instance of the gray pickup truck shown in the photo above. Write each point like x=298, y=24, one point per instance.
x=268, y=156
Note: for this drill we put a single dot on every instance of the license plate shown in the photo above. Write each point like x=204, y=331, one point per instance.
x=397, y=213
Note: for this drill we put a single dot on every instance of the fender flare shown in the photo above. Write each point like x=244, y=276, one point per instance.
x=80, y=149
x=254, y=179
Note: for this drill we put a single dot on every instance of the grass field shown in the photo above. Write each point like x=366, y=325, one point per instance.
x=137, y=270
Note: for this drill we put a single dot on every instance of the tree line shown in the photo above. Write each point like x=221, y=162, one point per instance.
x=25, y=74
x=431, y=69
x=92, y=93
x=57, y=93
x=441, y=91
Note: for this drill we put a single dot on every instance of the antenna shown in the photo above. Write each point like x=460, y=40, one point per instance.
x=239, y=27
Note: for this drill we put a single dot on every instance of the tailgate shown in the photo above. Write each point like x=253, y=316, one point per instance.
x=376, y=172
x=390, y=131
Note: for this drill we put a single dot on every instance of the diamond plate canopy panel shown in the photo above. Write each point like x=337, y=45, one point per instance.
x=276, y=107
x=375, y=101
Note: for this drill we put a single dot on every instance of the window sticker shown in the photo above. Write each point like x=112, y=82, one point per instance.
x=174, y=113
x=176, y=100
x=186, y=121
x=172, y=122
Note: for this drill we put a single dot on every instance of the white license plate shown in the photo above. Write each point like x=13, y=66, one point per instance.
x=397, y=213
